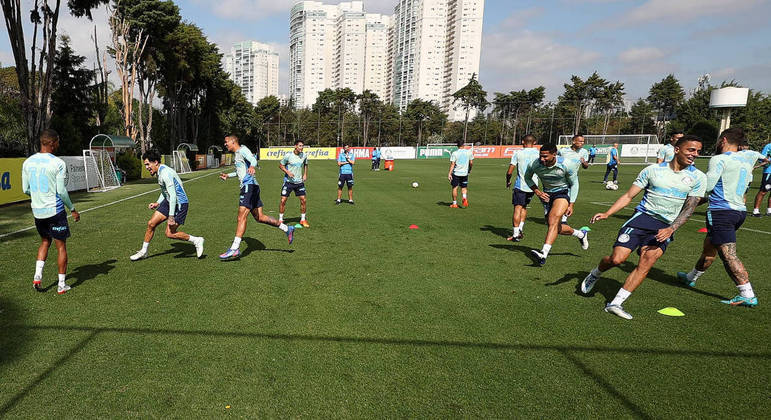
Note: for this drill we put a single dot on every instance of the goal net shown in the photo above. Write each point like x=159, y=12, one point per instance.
x=633, y=148
x=180, y=162
x=100, y=172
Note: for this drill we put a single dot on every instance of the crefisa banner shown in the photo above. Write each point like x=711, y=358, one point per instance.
x=313, y=153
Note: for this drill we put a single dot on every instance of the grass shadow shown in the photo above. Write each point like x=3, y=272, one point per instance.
x=87, y=272
x=526, y=251
x=670, y=280
x=498, y=231
x=253, y=244
x=443, y=203
x=13, y=341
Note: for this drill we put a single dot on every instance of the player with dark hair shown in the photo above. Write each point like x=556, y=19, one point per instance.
x=295, y=168
x=671, y=193
x=345, y=162
x=44, y=179
x=171, y=206
x=576, y=152
x=249, y=198
x=667, y=152
x=560, y=190
x=461, y=162
x=521, y=194
x=726, y=184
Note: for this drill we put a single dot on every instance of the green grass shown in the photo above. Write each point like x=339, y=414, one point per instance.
x=362, y=317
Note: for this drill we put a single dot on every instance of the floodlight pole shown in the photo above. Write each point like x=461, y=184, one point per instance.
x=725, y=120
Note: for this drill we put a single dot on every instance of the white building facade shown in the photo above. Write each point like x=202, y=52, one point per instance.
x=253, y=66
x=437, y=47
x=336, y=46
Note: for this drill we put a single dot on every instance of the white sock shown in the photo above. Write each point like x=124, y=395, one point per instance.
x=283, y=227
x=464, y=196
x=579, y=233
x=338, y=200
x=768, y=211
x=192, y=238
x=454, y=201
x=515, y=232
x=144, y=246
x=756, y=211
x=746, y=290
x=236, y=243
x=522, y=225
x=302, y=217
x=596, y=272
x=39, y=264
x=281, y=217
x=545, y=250
x=694, y=275
x=61, y=279
x=620, y=297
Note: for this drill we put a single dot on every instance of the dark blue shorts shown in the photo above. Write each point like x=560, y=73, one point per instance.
x=54, y=227
x=765, y=184
x=459, y=180
x=179, y=216
x=299, y=189
x=250, y=197
x=640, y=231
x=345, y=179
x=521, y=198
x=723, y=224
x=564, y=194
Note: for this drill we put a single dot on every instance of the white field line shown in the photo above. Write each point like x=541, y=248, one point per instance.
x=108, y=204
x=600, y=203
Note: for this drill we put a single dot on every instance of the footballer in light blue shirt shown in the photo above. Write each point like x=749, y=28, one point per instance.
x=294, y=165
x=671, y=192
x=726, y=184
x=44, y=179
x=171, y=206
x=249, y=201
x=521, y=194
x=558, y=192
x=612, y=165
x=345, y=161
x=461, y=162
x=667, y=152
x=765, y=185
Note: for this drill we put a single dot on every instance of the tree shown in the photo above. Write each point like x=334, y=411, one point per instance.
x=422, y=112
x=72, y=98
x=471, y=96
x=580, y=95
x=369, y=105
x=344, y=100
x=640, y=118
x=268, y=109
x=516, y=102
x=35, y=76
x=12, y=129
x=611, y=97
x=665, y=96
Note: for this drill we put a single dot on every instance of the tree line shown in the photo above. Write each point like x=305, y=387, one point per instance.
x=172, y=88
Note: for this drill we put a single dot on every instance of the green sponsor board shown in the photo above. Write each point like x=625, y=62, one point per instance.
x=436, y=152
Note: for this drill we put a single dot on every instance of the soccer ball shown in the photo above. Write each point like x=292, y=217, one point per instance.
x=414, y=185
x=611, y=186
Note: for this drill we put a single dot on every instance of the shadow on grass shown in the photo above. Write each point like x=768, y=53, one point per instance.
x=84, y=273
x=443, y=203
x=670, y=280
x=568, y=351
x=182, y=249
x=255, y=245
x=13, y=341
x=498, y=231
x=526, y=250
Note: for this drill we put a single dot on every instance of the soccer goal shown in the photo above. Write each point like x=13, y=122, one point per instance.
x=180, y=162
x=633, y=148
x=100, y=172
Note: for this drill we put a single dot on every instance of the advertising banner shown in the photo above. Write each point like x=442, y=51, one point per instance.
x=640, y=150
x=397, y=153
x=76, y=173
x=486, y=152
x=10, y=180
x=314, y=153
x=436, y=152
x=358, y=152
x=509, y=151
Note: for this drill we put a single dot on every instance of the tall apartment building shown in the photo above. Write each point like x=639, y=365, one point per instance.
x=437, y=46
x=253, y=66
x=336, y=46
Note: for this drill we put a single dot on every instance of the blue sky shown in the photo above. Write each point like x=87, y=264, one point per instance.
x=531, y=43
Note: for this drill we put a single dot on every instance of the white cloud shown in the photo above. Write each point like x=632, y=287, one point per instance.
x=526, y=59
x=683, y=10
x=646, y=60
x=644, y=54
x=6, y=58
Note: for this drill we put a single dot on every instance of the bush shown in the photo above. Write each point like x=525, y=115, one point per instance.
x=130, y=162
x=708, y=132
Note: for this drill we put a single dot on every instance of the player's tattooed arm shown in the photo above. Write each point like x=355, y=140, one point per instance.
x=686, y=212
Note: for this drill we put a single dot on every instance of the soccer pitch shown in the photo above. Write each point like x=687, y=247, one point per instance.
x=363, y=317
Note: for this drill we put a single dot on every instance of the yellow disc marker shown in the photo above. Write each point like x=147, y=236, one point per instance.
x=670, y=311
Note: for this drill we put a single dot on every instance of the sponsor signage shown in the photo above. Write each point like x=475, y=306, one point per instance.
x=10, y=180
x=313, y=153
x=76, y=172
x=436, y=152
x=640, y=150
x=358, y=152
x=397, y=153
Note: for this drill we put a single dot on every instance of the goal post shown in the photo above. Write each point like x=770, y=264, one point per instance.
x=180, y=162
x=99, y=170
x=633, y=148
